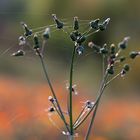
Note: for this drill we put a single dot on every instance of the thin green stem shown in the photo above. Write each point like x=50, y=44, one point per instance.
x=52, y=90
x=70, y=94
x=101, y=90
x=113, y=79
x=79, y=116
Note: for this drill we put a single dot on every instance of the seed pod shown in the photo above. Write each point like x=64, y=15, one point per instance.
x=73, y=36
x=36, y=42
x=46, y=33
x=51, y=109
x=28, y=31
x=22, y=40
x=126, y=67
x=81, y=39
x=94, y=24
x=76, y=23
x=122, y=58
x=51, y=99
x=59, y=24
x=110, y=70
x=19, y=53
x=122, y=45
x=103, y=26
x=103, y=51
x=80, y=50
x=133, y=54
x=112, y=49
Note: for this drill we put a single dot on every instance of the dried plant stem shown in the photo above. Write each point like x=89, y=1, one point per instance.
x=52, y=90
x=70, y=93
x=101, y=90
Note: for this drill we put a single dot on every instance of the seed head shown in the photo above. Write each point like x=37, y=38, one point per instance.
x=28, y=31
x=110, y=70
x=51, y=99
x=133, y=54
x=22, y=40
x=59, y=24
x=103, y=25
x=46, y=33
x=122, y=45
x=80, y=50
x=36, y=42
x=76, y=23
x=19, y=53
x=94, y=24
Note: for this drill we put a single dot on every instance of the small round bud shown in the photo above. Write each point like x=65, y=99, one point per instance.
x=133, y=54
x=19, y=53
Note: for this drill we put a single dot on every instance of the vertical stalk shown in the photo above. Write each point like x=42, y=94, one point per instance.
x=101, y=90
x=52, y=90
x=70, y=93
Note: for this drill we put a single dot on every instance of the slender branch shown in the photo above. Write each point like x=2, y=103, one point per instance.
x=113, y=79
x=79, y=116
x=101, y=90
x=70, y=93
x=51, y=88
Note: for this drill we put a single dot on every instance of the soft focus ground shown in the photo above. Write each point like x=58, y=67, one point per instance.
x=23, y=114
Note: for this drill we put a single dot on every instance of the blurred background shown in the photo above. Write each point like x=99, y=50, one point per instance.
x=24, y=91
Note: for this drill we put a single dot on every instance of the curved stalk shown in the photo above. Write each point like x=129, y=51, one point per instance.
x=101, y=91
x=52, y=90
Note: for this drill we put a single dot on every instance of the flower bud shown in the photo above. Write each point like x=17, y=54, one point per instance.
x=112, y=49
x=51, y=99
x=76, y=23
x=125, y=70
x=94, y=24
x=51, y=109
x=36, y=42
x=22, y=40
x=81, y=39
x=122, y=45
x=133, y=54
x=19, y=53
x=103, y=26
x=59, y=24
x=46, y=33
x=80, y=50
x=122, y=58
x=28, y=32
x=110, y=70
